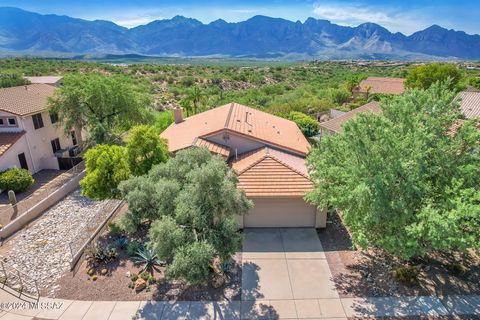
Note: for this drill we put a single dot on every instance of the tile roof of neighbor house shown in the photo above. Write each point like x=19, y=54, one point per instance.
x=8, y=139
x=239, y=119
x=24, y=100
x=383, y=85
x=470, y=104
x=212, y=147
x=45, y=79
x=335, y=125
x=268, y=172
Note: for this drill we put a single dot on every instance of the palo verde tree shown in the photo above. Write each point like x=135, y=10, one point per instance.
x=406, y=181
x=145, y=148
x=103, y=106
x=191, y=201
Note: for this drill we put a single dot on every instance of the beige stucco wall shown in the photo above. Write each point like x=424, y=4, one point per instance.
x=10, y=158
x=36, y=144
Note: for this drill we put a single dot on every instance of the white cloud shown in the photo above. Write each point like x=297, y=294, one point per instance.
x=353, y=14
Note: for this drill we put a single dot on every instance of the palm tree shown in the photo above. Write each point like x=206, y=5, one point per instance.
x=197, y=97
x=186, y=104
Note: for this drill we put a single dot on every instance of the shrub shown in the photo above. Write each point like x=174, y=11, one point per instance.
x=407, y=275
x=148, y=258
x=115, y=230
x=145, y=275
x=134, y=277
x=104, y=271
x=91, y=272
x=94, y=278
x=457, y=269
x=18, y=180
x=308, y=125
x=133, y=247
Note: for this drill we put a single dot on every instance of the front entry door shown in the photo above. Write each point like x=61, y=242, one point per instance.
x=23, y=161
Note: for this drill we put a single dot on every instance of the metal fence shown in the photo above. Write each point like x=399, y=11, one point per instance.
x=86, y=236
x=11, y=212
x=18, y=282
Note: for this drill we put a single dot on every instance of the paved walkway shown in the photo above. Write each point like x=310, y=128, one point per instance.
x=340, y=309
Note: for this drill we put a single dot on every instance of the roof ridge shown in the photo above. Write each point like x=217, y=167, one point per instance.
x=227, y=121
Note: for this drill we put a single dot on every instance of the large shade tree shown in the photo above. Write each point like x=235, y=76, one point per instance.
x=423, y=76
x=191, y=201
x=407, y=181
x=103, y=106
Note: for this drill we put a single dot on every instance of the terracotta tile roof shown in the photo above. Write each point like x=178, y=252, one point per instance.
x=23, y=100
x=267, y=172
x=212, y=147
x=239, y=119
x=8, y=139
x=470, y=104
x=45, y=79
x=335, y=125
x=383, y=85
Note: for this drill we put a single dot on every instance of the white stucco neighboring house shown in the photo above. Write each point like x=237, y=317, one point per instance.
x=31, y=137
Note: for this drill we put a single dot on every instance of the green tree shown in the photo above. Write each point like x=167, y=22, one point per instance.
x=422, y=77
x=197, y=97
x=404, y=181
x=104, y=106
x=106, y=167
x=12, y=80
x=192, y=200
x=308, y=125
x=145, y=148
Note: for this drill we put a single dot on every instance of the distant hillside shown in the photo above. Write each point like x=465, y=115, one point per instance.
x=258, y=37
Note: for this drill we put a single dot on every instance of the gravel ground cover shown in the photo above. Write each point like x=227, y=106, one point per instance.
x=42, y=249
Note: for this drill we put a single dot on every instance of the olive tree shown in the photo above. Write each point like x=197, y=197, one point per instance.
x=191, y=202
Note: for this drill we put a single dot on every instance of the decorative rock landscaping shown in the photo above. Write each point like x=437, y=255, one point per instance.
x=42, y=249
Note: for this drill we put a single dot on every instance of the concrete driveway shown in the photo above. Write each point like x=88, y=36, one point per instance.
x=285, y=264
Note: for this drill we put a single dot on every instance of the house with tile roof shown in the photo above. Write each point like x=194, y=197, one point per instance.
x=469, y=104
x=335, y=126
x=382, y=85
x=267, y=152
x=30, y=136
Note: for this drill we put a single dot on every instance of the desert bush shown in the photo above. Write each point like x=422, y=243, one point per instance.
x=18, y=180
x=406, y=274
x=133, y=277
x=99, y=253
x=133, y=247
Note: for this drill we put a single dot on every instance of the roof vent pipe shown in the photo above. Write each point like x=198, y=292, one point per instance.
x=178, y=114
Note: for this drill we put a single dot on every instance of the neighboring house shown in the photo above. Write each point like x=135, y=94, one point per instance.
x=383, y=85
x=334, y=126
x=30, y=136
x=470, y=104
x=267, y=151
x=51, y=80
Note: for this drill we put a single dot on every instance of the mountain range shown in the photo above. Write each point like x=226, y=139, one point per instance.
x=257, y=37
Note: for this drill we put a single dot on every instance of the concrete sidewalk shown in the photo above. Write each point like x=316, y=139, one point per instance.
x=336, y=308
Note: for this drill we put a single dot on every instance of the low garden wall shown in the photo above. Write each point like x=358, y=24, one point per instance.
x=37, y=209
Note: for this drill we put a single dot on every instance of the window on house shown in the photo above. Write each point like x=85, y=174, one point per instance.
x=2, y=122
x=12, y=121
x=55, y=145
x=37, y=121
x=74, y=138
x=53, y=117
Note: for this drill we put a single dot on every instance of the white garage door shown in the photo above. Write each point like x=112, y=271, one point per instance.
x=280, y=212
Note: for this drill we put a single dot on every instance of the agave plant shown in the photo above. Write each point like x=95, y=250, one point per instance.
x=148, y=258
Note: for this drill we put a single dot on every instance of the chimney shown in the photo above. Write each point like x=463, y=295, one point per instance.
x=177, y=114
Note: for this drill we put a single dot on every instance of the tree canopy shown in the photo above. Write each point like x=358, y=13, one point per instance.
x=191, y=201
x=106, y=167
x=104, y=106
x=145, y=148
x=308, y=125
x=406, y=181
x=423, y=76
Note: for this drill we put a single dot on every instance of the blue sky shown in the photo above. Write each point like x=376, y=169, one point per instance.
x=405, y=16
